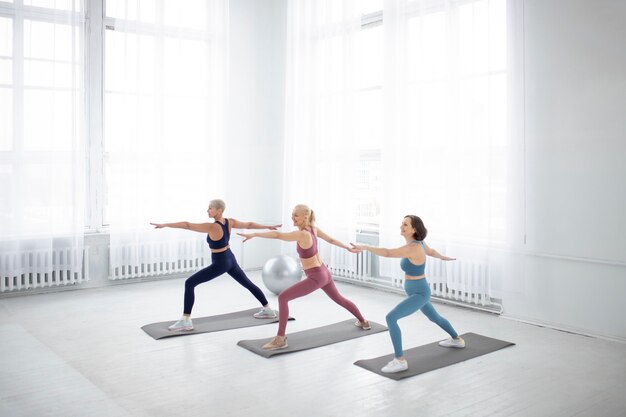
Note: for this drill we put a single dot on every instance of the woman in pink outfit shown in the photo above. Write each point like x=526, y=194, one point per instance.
x=317, y=275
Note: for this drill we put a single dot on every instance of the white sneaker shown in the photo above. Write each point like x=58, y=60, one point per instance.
x=453, y=343
x=265, y=313
x=181, y=325
x=396, y=365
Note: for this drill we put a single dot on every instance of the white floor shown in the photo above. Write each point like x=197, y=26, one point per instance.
x=82, y=353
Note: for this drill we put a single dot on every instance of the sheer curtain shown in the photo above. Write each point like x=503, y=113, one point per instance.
x=320, y=128
x=447, y=156
x=416, y=105
x=42, y=135
x=165, y=80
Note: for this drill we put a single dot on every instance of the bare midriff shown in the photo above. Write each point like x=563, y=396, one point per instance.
x=312, y=262
x=411, y=278
x=220, y=250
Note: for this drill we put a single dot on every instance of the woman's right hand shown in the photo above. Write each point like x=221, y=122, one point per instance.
x=158, y=225
x=354, y=250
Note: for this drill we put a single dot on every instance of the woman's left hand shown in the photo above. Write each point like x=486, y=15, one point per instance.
x=246, y=236
x=356, y=248
x=278, y=226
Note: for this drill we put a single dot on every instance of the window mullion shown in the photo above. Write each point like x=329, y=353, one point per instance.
x=94, y=81
x=18, y=84
x=18, y=106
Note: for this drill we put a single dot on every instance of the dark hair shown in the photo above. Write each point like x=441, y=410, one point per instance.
x=418, y=225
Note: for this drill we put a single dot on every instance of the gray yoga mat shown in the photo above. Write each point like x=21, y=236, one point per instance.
x=432, y=356
x=209, y=324
x=312, y=338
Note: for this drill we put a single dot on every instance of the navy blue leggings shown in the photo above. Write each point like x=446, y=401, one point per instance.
x=223, y=262
x=418, y=293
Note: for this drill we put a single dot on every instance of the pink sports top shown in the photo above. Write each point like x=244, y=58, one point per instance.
x=310, y=252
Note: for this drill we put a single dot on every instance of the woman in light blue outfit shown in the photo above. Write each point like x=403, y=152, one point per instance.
x=413, y=263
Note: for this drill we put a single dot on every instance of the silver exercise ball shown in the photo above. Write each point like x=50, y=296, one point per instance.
x=281, y=272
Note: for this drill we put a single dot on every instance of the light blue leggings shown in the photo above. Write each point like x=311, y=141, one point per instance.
x=418, y=298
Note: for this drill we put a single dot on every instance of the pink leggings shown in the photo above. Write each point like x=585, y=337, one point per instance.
x=317, y=277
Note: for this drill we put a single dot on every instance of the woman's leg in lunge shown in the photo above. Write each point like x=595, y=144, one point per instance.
x=407, y=307
x=204, y=275
x=430, y=312
x=237, y=273
x=297, y=290
x=331, y=290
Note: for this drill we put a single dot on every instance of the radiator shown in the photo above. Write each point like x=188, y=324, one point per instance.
x=42, y=268
x=348, y=265
x=153, y=259
x=461, y=281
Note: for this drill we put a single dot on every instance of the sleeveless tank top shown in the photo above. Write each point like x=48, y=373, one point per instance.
x=223, y=242
x=412, y=269
x=310, y=252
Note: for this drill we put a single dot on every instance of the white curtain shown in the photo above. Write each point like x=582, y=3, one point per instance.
x=165, y=81
x=447, y=156
x=320, y=127
x=42, y=135
x=434, y=118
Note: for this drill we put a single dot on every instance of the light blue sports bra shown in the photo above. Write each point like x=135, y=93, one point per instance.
x=412, y=269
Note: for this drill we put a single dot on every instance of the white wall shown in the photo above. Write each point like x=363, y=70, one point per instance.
x=253, y=189
x=573, y=272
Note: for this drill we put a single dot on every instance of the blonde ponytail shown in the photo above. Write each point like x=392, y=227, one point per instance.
x=303, y=208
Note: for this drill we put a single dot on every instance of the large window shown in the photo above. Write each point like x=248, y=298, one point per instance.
x=432, y=115
x=160, y=106
x=155, y=60
x=101, y=101
x=41, y=117
x=457, y=102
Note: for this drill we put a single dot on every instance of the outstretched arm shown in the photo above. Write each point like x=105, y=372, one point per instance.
x=289, y=237
x=252, y=225
x=401, y=252
x=335, y=242
x=431, y=252
x=196, y=227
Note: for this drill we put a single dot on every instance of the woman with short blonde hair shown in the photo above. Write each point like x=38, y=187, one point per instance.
x=222, y=260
